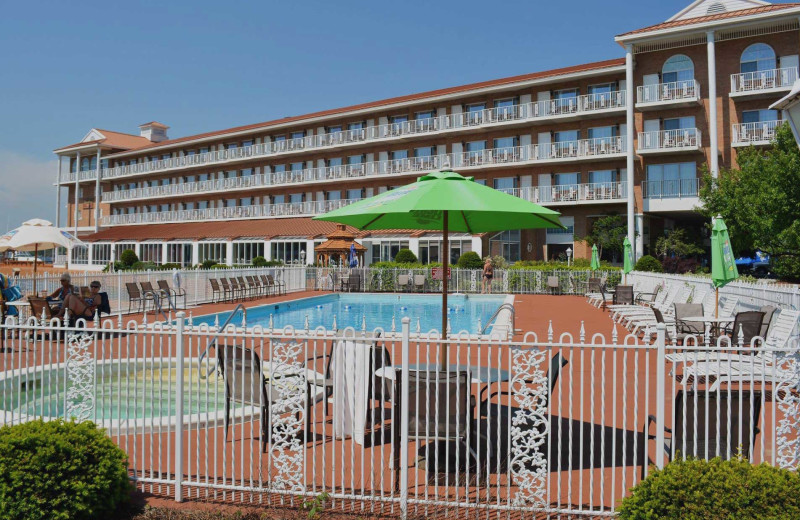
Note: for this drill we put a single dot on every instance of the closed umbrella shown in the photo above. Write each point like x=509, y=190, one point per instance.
x=36, y=234
x=627, y=258
x=445, y=201
x=595, y=258
x=353, y=257
x=723, y=264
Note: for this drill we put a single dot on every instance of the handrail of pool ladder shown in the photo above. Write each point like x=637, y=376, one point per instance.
x=156, y=294
x=508, y=306
x=213, y=340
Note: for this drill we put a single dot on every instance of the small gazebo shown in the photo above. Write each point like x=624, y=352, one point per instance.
x=337, y=247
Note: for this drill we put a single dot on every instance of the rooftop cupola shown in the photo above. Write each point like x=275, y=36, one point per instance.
x=154, y=131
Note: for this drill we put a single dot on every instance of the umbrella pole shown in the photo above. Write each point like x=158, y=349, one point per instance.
x=716, y=302
x=35, y=254
x=445, y=263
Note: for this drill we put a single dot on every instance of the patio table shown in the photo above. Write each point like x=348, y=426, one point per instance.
x=713, y=322
x=479, y=374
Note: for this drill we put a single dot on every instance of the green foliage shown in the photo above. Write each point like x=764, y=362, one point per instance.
x=716, y=489
x=405, y=256
x=220, y=266
x=470, y=260
x=649, y=264
x=259, y=261
x=498, y=262
x=128, y=258
x=678, y=242
x=169, y=266
x=608, y=233
x=144, y=266
x=206, y=264
x=316, y=505
x=760, y=202
x=60, y=470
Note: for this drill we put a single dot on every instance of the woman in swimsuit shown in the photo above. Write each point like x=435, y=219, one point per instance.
x=488, y=274
x=83, y=308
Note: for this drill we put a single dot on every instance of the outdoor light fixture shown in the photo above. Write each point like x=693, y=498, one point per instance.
x=790, y=105
x=569, y=255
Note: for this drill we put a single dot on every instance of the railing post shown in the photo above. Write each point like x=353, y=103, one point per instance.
x=661, y=352
x=179, y=348
x=404, y=393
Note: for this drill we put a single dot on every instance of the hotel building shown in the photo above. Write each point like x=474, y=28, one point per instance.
x=629, y=136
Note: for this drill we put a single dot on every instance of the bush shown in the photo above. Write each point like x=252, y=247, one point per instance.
x=677, y=265
x=700, y=489
x=470, y=260
x=259, y=261
x=405, y=256
x=207, y=264
x=649, y=264
x=60, y=470
x=128, y=258
x=220, y=266
x=169, y=266
x=144, y=266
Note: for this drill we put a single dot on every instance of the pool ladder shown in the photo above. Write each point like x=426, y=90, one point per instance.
x=157, y=294
x=213, y=341
x=508, y=306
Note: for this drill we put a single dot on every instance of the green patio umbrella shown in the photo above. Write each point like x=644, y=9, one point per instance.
x=723, y=264
x=627, y=258
x=595, y=258
x=445, y=201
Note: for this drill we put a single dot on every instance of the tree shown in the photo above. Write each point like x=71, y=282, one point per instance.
x=405, y=256
x=608, y=233
x=677, y=243
x=760, y=202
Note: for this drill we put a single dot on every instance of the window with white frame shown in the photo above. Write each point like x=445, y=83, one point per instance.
x=212, y=251
x=151, y=252
x=430, y=249
x=386, y=250
x=120, y=247
x=80, y=255
x=101, y=254
x=507, y=245
x=179, y=253
x=245, y=251
x=288, y=251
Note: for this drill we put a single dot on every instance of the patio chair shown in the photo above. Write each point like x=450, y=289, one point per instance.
x=136, y=296
x=769, y=312
x=255, y=282
x=686, y=310
x=216, y=290
x=246, y=287
x=420, y=283
x=708, y=425
x=238, y=289
x=403, y=282
x=266, y=284
x=228, y=289
x=42, y=315
x=746, y=326
x=553, y=285
x=353, y=283
x=172, y=293
x=148, y=290
x=277, y=285
x=623, y=295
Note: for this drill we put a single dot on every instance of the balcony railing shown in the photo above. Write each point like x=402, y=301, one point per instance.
x=669, y=140
x=582, y=149
x=754, y=133
x=87, y=175
x=572, y=193
x=686, y=90
x=453, y=122
x=671, y=189
x=763, y=80
x=288, y=209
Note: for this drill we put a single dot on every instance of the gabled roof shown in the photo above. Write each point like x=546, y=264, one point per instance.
x=686, y=22
x=706, y=7
x=109, y=139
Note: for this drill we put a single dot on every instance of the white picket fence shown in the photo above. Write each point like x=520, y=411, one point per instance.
x=560, y=425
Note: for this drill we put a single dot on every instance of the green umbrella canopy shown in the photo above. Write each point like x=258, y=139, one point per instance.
x=471, y=207
x=595, y=259
x=627, y=254
x=723, y=265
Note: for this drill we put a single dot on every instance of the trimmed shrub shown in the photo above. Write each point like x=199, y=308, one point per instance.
x=169, y=266
x=220, y=266
x=706, y=490
x=206, y=264
x=470, y=260
x=260, y=261
x=144, y=266
x=648, y=264
x=405, y=256
x=60, y=470
x=677, y=265
x=128, y=258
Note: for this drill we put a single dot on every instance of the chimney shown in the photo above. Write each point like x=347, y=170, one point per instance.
x=154, y=131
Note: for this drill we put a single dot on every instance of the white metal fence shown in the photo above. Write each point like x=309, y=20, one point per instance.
x=395, y=423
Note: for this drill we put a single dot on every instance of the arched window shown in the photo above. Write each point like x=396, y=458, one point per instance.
x=758, y=56
x=85, y=164
x=93, y=163
x=676, y=69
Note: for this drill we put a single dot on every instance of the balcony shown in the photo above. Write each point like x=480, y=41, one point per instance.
x=571, y=194
x=755, y=134
x=69, y=177
x=763, y=83
x=515, y=115
x=568, y=151
x=669, y=141
x=662, y=95
x=289, y=209
x=671, y=195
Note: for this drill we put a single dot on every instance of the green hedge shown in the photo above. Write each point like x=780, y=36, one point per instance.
x=649, y=264
x=59, y=470
x=716, y=489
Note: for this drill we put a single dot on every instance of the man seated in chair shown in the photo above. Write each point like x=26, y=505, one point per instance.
x=86, y=308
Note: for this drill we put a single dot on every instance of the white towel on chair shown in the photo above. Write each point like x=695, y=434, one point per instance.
x=350, y=365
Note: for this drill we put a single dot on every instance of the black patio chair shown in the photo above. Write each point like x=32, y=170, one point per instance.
x=136, y=296
x=749, y=324
x=768, y=311
x=216, y=291
x=154, y=294
x=173, y=293
x=623, y=295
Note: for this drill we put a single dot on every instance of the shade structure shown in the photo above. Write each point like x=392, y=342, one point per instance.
x=627, y=258
x=723, y=264
x=445, y=201
x=36, y=234
x=595, y=258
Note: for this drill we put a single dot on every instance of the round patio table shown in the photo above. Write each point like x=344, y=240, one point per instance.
x=713, y=322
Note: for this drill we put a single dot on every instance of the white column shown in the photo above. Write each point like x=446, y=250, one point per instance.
x=195, y=253
x=164, y=253
x=310, y=254
x=477, y=245
x=712, y=104
x=229, y=252
x=413, y=245
x=58, y=193
x=268, y=250
x=629, y=131
x=97, y=195
x=77, y=188
x=639, y=250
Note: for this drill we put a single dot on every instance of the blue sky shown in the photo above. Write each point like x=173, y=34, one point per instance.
x=206, y=65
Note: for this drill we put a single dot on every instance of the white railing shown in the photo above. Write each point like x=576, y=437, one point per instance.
x=685, y=90
x=582, y=149
x=600, y=191
x=669, y=140
x=585, y=104
x=671, y=189
x=760, y=80
x=557, y=425
x=760, y=132
x=287, y=209
x=86, y=175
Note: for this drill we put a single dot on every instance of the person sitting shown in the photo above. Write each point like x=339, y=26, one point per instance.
x=86, y=308
x=59, y=295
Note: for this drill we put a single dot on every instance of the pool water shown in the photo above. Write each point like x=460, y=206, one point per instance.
x=351, y=310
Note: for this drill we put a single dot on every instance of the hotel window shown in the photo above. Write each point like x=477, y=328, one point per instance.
x=425, y=114
x=232, y=146
x=503, y=103
x=475, y=113
x=188, y=205
x=506, y=244
x=429, y=249
x=679, y=123
x=567, y=179
x=475, y=154
x=355, y=159
x=425, y=151
x=476, y=146
x=565, y=100
x=333, y=195
x=505, y=183
x=399, y=154
x=85, y=164
x=298, y=135
x=246, y=201
x=603, y=178
x=759, y=116
x=101, y=254
x=506, y=143
x=279, y=138
x=287, y=252
x=335, y=161
x=602, y=132
x=757, y=57
x=279, y=199
x=204, y=150
x=166, y=156
x=296, y=198
x=672, y=180
x=677, y=69
x=355, y=126
x=164, y=207
x=334, y=129
x=203, y=204
x=216, y=252
x=202, y=177
x=149, y=252
x=297, y=166
x=189, y=153
x=355, y=194
x=121, y=247
x=179, y=253
x=189, y=178
x=247, y=172
x=247, y=143
x=565, y=144
x=396, y=124
x=279, y=168
x=385, y=251
x=602, y=88
x=80, y=255
x=230, y=203
x=244, y=252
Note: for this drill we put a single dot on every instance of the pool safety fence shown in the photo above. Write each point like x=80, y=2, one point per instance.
x=392, y=423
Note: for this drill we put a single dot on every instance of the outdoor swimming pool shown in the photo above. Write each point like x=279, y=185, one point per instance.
x=351, y=310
